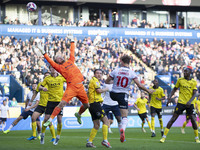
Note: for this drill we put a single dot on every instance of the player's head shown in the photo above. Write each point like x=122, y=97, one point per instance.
x=187, y=73
x=142, y=94
x=34, y=86
x=155, y=82
x=125, y=60
x=4, y=102
x=59, y=59
x=52, y=70
x=46, y=74
x=98, y=73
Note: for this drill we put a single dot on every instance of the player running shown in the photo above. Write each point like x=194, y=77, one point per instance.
x=29, y=109
x=140, y=105
x=4, y=111
x=96, y=111
x=156, y=106
x=187, y=93
x=111, y=107
x=74, y=78
x=123, y=76
x=53, y=84
x=40, y=110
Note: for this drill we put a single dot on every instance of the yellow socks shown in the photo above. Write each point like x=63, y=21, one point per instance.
x=149, y=124
x=43, y=128
x=52, y=130
x=196, y=133
x=34, y=125
x=184, y=124
x=165, y=132
x=161, y=123
x=153, y=124
x=105, y=131
x=59, y=128
x=142, y=125
x=92, y=134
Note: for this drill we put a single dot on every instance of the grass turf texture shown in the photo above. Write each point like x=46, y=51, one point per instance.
x=76, y=140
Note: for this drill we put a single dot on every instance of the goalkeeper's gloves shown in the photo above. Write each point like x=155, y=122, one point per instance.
x=71, y=37
x=41, y=49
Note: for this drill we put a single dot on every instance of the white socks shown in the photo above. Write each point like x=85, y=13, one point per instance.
x=124, y=123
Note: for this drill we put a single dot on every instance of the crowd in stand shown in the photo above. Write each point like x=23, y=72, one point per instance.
x=135, y=23
x=19, y=59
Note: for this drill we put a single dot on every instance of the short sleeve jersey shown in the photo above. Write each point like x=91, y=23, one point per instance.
x=122, y=77
x=141, y=104
x=93, y=95
x=159, y=93
x=186, y=88
x=55, y=87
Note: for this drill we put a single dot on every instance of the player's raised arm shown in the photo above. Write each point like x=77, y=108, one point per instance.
x=150, y=91
x=72, y=48
x=52, y=63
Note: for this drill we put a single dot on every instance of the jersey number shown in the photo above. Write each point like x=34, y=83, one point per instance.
x=122, y=81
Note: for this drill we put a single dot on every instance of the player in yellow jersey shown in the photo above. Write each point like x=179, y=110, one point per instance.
x=188, y=118
x=54, y=82
x=156, y=106
x=187, y=93
x=140, y=105
x=40, y=110
x=96, y=110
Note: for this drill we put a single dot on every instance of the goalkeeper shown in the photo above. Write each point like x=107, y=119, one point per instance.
x=74, y=80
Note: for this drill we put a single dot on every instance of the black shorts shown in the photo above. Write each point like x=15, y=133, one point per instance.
x=3, y=119
x=96, y=111
x=143, y=116
x=50, y=107
x=109, y=110
x=40, y=109
x=25, y=115
x=181, y=107
x=156, y=110
x=121, y=98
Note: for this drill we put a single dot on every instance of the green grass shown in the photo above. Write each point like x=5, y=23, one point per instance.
x=76, y=140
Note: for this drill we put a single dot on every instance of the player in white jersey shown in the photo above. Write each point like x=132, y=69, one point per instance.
x=111, y=107
x=28, y=110
x=4, y=111
x=122, y=77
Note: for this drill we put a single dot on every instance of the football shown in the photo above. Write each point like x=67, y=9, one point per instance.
x=31, y=7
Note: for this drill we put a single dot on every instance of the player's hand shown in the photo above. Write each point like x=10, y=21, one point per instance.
x=150, y=91
x=44, y=89
x=168, y=101
x=30, y=104
x=41, y=49
x=70, y=36
x=157, y=98
x=138, y=109
x=188, y=104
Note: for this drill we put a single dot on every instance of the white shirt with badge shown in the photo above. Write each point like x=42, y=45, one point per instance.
x=29, y=96
x=4, y=110
x=106, y=96
x=122, y=76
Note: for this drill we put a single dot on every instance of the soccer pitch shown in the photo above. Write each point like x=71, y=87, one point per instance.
x=76, y=140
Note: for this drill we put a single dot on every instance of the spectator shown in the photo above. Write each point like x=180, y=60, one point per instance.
x=13, y=103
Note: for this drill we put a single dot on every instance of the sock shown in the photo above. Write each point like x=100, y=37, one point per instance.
x=3, y=126
x=43, y=128
x=124, y=123
x=81, y=110
x=58, y=136
x=92, y=135
x=142, y=125
x=105, y=132
x=184, y=125
x=52, y=130
x=153, y=124
x=56, y=111
x=197, y=123
x=119, y=126
x=161, y=123
x=11, y=126
x=59, y=128
x=196, y=133
x=165, y=132
x=149, y=124
x=34, y=128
